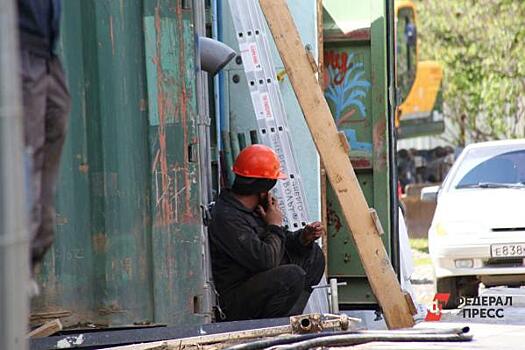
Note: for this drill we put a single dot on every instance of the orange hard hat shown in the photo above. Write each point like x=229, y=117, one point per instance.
x=258, y=161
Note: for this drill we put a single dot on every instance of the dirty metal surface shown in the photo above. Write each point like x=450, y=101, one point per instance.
x=102, y=339
x=128, y=217
x=355, y=82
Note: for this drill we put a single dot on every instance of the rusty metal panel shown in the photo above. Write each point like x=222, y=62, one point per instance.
x=177, y=227
x=128, y=240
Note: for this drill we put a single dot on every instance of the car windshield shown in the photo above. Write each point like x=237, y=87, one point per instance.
x=491, y=167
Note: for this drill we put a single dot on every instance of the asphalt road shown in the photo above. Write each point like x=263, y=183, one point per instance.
x=507, y=332
x=423, y=285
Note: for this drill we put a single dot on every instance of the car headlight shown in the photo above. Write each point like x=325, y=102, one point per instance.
x=453, y=228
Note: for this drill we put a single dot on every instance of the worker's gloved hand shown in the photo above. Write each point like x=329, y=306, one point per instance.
x=311, y=232
x=272, y=214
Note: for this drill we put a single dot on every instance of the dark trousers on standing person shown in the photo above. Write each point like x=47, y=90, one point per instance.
x=46, y=103
x=283, y=290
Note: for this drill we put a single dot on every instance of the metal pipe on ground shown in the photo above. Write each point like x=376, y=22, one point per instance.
x=323, y=322
x=355, y=339
x=14, y=239
x=296, y=339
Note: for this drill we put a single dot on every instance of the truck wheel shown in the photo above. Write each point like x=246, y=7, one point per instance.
x=448, y=285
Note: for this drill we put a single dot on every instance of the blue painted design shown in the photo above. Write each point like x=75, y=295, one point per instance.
x=354, y=144
x=349, y=95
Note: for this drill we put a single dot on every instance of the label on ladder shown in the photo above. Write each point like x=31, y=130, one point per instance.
x=271, y=118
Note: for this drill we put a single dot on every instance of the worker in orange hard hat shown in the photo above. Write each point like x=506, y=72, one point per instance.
x=260, y=269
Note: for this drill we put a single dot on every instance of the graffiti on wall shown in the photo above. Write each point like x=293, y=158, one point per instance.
x=347, y=90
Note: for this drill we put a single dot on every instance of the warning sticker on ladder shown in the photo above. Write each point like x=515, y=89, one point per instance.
x=267, y=108
x=262, y=104
x=250, y=57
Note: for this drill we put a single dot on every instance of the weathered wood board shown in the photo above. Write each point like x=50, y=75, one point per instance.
x=337, y=164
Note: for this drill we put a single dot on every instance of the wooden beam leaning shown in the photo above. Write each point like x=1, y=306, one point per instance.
x=338, y=167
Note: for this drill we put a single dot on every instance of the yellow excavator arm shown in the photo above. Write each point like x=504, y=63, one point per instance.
x=419, y=83
x=422, y=97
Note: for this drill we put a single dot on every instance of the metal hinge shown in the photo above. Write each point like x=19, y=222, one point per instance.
x=206, y=213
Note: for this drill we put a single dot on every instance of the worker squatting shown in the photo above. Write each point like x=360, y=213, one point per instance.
x=260, y=269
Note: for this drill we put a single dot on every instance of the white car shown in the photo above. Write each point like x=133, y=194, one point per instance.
x=478, y=230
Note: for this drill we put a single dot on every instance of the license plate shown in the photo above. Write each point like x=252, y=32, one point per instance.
x=507, y=250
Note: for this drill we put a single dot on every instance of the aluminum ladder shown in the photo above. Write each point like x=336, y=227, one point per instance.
x=272, y=126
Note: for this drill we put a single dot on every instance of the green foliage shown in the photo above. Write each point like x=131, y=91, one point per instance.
x=420, y=244
x=481, y=44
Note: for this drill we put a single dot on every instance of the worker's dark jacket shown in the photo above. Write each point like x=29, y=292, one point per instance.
x=39, y=22
x=242, y=244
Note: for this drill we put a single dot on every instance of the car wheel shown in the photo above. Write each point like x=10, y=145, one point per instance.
x=448, y=285
x=457, y=287
x=468, y=287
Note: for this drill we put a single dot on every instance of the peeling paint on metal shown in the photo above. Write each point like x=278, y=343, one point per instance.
x=130, y=229
x=361, y=163
x=83, y=168
x=61, y=220
x=371, y=166
x=183, y=100
x=100, y=242
x=379, y=135
x=143, y=104
x=70, y=342
x=333, y=218
x=113, y=308
x=165, y=205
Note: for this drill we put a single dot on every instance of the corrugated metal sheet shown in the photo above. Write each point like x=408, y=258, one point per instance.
x=129, y=233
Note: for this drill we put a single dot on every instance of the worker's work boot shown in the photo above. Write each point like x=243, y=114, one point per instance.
x=300, y=304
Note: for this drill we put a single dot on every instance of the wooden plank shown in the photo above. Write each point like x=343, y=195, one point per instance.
x=47, y=329
x=320, y=42
x=334, y=324
x=340, y=172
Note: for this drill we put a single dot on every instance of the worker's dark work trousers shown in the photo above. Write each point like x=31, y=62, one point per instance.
x=46, y=107
x=283, y=290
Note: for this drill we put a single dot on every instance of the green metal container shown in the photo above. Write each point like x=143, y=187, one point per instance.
x=128, y=245
x=130, y=241
x=356, y=80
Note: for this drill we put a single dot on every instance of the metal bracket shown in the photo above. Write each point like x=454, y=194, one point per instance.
x=410, y=302
x=206, y=213
x=316, y=323
x=334, y=293
x=311, y=58
x=344, y=142
x=377, y=222
x=281, y=75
